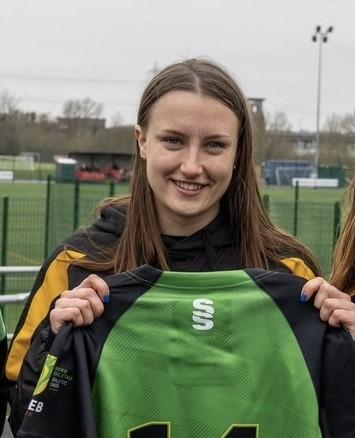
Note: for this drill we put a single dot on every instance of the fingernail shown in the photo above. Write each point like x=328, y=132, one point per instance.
x=303, y=297
x=106, y=299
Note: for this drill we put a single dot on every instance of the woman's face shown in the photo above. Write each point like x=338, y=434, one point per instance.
x=189, y=146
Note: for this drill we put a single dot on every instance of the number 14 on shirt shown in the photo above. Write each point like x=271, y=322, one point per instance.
x=163, y=430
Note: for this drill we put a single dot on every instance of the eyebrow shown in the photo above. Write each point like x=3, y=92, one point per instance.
x=171, y=132
x=181, y=134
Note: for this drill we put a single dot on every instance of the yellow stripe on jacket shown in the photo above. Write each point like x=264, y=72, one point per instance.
x=54, y=283
x=298, y=267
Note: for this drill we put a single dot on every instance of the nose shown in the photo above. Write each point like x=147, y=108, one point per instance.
x=191, y=166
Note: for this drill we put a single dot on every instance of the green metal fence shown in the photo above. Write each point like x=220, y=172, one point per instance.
x=315, y=224
x=30, y=228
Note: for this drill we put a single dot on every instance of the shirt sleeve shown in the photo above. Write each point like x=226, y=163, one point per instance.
x=338, y=385
x=21, y=393
x=61, y=401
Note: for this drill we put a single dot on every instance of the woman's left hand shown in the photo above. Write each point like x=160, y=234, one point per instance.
x=335, y=306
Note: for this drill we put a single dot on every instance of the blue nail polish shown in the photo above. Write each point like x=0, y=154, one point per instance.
x=303, y=297
x=106, y=299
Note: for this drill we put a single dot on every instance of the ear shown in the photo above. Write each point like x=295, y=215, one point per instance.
x=141, y=141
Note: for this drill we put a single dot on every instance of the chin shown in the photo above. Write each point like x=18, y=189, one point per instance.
x=187, y=213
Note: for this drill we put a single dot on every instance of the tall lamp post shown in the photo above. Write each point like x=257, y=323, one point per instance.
x=320, y=37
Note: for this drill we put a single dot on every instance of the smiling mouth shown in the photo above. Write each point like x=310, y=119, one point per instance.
x=190, y=187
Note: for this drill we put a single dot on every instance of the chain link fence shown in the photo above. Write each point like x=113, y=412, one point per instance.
x=317, y=225
x=31, y=228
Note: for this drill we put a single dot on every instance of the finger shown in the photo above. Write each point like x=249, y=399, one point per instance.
x=93, y=281
x=82, y=298
x=79, y=292
x=85, y=293
x=58, y=317
x=311, y=287
x=326, y=291
x=89, y=294
x=83, y=306
x=330, y=305
x=345, y=318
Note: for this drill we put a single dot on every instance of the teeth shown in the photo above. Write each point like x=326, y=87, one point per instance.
x=189, y=186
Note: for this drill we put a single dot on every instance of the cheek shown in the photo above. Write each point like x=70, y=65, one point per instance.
x=223, y=172
x=157, y=168
x=227, y=179
x=161, y=164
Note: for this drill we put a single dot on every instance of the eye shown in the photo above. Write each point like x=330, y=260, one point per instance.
x=215, y=146
x=172, y=141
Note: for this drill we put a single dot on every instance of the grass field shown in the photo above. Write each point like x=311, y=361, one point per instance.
x=24, y=170
x=284, y=194
x=19, y=190
x=38, y=191
x=26, y=225
x=27, y=215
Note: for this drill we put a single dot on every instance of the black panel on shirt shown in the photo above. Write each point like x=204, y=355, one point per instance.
x=297, y=315
x=125, y=289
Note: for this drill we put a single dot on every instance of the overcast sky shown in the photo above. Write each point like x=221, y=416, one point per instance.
x=53, y=50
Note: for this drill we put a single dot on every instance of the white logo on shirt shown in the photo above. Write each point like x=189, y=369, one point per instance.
x=35, y=406
x=202, y=316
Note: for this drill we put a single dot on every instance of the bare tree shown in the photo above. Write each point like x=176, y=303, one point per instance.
x=342, y=124
x=277, y=122
x=9, y=103
x=9, y=124
x=275, y=142
x=82, y=109
x=338, y=140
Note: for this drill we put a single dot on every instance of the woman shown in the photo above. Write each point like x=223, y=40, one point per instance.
x=194, y=206
x=219, y=212
x=335, y=306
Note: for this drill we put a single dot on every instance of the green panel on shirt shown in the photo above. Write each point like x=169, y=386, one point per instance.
x=158, y=365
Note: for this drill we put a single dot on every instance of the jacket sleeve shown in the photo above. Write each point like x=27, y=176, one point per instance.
x=60, y=405
x=3, y=384
x=51, y=281
x=20, y=393
x=338, y=385
x=33, y=328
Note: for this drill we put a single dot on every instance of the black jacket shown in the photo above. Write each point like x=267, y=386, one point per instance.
x=212, y=248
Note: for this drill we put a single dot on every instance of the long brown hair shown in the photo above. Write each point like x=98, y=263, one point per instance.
x=343, y=272
x=259, y=242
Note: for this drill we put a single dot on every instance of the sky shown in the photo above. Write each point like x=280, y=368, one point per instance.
x=55, y=50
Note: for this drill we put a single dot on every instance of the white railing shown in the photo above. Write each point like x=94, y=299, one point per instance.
x=14, y=298
x=18, y=269
x=21, y=297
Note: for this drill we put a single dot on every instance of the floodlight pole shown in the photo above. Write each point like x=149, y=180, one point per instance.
x=320, y=37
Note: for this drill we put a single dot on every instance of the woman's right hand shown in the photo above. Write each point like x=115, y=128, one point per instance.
x=80, y=305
